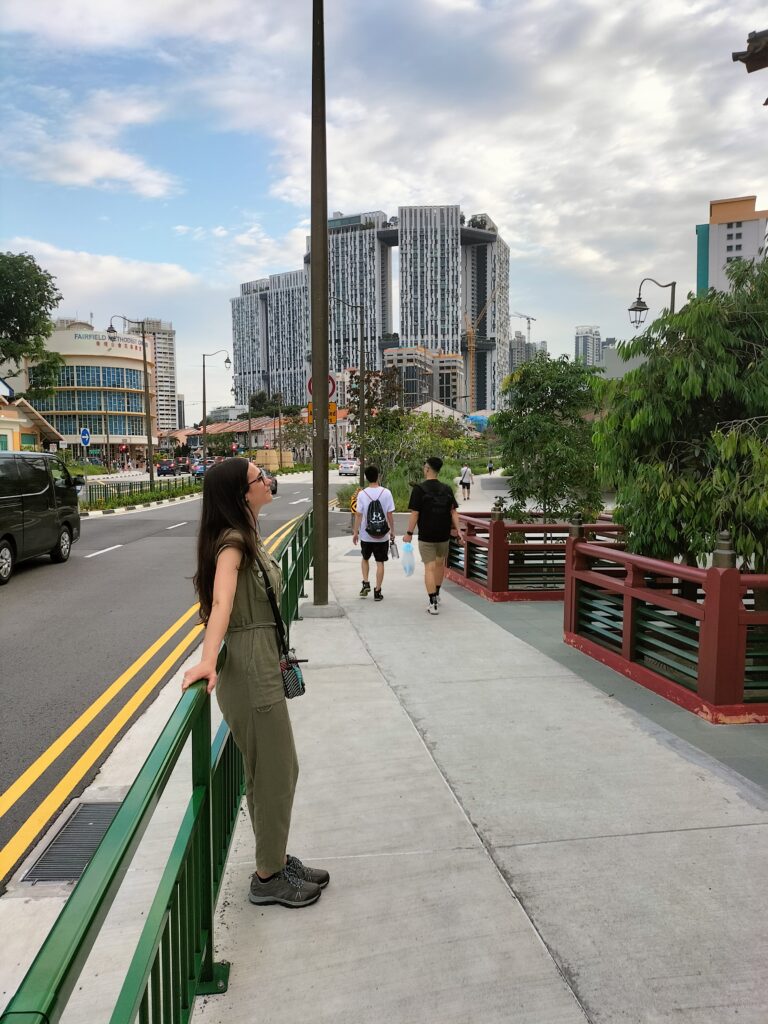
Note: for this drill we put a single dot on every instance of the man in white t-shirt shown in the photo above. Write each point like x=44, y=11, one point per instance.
x=375, y=528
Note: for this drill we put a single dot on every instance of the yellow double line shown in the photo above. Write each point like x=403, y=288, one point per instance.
x=15, y=848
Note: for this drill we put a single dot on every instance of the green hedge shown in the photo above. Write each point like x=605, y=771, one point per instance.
x=140, y=498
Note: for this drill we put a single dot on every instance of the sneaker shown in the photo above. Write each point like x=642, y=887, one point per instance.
x=432, y=609
x=365, y=590
x=377, y=595
x=287, y=888
x=316, y=875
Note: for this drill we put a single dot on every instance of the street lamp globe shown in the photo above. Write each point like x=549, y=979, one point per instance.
x=111, y=332
x=227, y=363
x=638, y=312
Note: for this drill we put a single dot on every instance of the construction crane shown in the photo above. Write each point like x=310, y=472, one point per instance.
x=471, y=332
x=524, y=316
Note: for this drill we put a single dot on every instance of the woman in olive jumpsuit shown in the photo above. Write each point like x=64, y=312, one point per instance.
x=235, y=607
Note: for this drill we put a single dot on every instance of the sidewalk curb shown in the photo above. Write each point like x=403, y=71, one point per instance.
x=139, y=506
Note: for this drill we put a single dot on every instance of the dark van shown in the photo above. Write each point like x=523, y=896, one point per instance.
x=39, y=513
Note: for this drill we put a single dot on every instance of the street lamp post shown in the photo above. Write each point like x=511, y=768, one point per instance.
x=227, y=364
x=639, y=309
x=147, y=408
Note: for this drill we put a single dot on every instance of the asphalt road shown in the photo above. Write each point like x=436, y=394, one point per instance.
x=69, y=631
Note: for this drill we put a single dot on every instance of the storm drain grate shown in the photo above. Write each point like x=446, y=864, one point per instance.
x=67, y=856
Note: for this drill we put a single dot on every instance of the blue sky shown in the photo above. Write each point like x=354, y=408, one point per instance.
x=156, y=153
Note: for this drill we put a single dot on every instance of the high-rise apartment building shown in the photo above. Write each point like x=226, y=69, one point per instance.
x=736, y=231
x=454, y=281
x=164, y=343
x=288, y=335
x=426, y=375
x=523, y=351
x=359, y=276
x=429, y=238
x=588, y=347
x=181, y=412
x=250, y=351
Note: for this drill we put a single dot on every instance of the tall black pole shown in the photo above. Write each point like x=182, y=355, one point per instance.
x=148, y=409
x=319, y=310
x=205, y=436
x=362, y=390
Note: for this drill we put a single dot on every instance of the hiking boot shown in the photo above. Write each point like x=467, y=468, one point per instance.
x=287, y=888
x=377, y=595
x=365, y=589
x=316, y=875
x=432, y=608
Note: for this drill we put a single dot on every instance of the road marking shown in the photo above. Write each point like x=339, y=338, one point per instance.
x=104, y=551
x=46, y=759
x=59, y=745
x=15, y=848
x=299, y=501
x=175, y=526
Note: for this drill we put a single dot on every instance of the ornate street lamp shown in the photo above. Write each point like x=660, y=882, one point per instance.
x=639, y=308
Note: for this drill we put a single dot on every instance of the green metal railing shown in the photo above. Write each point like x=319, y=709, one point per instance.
x=173, y=961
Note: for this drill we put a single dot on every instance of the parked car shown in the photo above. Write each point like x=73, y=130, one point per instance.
x=39, y=513
x=349, y=467
x=272, y=479
x=167, y=467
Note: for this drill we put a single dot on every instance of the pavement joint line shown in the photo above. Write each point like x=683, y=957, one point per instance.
x=481, y=839
x=632, y=835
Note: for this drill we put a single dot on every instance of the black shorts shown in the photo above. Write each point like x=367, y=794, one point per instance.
x=379, y=549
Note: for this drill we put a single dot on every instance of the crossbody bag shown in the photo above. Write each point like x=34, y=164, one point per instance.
x=293, y=680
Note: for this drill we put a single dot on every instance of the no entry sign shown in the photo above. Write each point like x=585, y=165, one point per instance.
x=331, y=385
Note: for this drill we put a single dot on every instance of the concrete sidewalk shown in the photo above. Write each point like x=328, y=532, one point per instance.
x=506, y=843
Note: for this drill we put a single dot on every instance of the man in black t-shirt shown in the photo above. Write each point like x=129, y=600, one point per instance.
x=433, y=506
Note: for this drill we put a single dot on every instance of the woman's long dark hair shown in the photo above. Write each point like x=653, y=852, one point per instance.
x=225, y=486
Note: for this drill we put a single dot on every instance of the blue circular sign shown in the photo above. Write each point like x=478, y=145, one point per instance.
x=85, y=437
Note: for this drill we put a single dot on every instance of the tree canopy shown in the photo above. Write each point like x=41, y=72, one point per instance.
x=545, y=438
x=684, y=440
x=28, y=297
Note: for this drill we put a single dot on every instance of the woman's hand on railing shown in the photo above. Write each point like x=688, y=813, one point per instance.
x=199, y=672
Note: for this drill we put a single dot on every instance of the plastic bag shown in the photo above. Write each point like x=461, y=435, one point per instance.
x=408, y=561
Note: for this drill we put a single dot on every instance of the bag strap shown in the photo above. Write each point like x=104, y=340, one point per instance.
x=275, y=610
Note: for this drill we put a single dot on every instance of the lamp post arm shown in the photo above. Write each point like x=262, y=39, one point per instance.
x=671, y=285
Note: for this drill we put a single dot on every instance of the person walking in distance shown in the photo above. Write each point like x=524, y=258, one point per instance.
x=374, y=527
x=466, y=480
x=433, y=508
x=490, y=466
x=233, y=568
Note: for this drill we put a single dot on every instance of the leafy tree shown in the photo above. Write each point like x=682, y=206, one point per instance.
x=260, y=404
x=28, y=297
x=684, y=440
x=297, y=434
x=545, y=438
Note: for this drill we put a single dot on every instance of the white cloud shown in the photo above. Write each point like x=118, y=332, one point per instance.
x=76, y=145
x=219, y=232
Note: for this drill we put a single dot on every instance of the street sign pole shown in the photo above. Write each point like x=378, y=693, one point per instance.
x=319, y=308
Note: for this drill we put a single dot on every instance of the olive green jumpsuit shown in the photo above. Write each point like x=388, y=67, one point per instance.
x=250, y=694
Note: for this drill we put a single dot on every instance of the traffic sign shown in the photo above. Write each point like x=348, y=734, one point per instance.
x=85, y=437
x=331, y=385
x=331, y=412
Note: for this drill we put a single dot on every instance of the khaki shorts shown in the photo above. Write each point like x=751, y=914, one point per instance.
x=433, y=551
